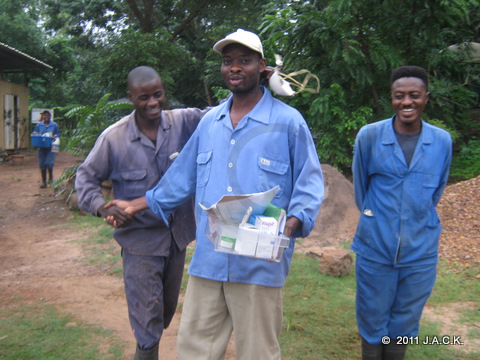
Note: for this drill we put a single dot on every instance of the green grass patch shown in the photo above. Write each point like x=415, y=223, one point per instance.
x=39, y=332
x=320, y=323
x=454, y=286
x=100, y=248
x=319, y=314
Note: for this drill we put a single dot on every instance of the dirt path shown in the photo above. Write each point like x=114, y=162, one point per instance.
x=40, y=259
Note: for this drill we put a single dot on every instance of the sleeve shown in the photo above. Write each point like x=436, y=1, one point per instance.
x=56, y=130
x=308, y=187
x=192, y=117
x=445, y=171
x=178, y=184
x=90, y=175
x=359, y=170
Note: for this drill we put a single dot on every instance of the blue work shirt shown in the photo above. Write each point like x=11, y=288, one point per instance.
x=52, y=127
x=271, y=146
x=399, y=224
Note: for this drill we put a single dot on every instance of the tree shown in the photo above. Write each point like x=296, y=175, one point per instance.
x=357, y=43
x=352, y=46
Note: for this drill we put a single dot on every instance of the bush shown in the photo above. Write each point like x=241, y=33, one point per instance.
x=466, y=163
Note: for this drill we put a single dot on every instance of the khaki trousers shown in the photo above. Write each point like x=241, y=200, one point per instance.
x=213, y=309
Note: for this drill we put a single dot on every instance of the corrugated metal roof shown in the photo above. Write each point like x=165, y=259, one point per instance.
x=13, y=60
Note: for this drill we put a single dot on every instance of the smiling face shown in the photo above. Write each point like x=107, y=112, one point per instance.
x=148, y=97
x=241, y=68
x=46, y=117
x=409, y=98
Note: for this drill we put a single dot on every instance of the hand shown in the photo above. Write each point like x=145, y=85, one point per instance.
x=266, y=74
x=115, y=215
x=122, y=204
x=291, y=225
x=130, y=207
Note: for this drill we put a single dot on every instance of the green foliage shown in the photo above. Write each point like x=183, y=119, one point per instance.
x=220, y=93
x=134, y=48
x=466, y=163
x=356, y=44
x=91, y=121
x=334, y=128
x=19, y=28
x=439, y=123
x=93, y=44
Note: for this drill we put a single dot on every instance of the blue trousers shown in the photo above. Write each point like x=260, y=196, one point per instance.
x=390, y=299
x=46, y=158
x=152, y=286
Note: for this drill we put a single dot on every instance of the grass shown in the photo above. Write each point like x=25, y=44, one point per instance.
x=319, y=314
x=100, y=249
x=39, y=332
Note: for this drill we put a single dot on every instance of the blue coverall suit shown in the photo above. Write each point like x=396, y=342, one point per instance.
x=396, y=240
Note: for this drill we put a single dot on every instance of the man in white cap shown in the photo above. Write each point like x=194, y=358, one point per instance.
x=250, y=143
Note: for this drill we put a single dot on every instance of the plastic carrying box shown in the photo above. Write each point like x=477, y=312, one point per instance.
x=41, y=141
x=229, y=238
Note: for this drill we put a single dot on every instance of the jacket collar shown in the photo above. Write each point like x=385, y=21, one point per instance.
x=389, y=137
x=134, y=132
x=260, y=113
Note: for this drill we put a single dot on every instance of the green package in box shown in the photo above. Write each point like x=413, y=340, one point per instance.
x=279, y=214
x=227, y=242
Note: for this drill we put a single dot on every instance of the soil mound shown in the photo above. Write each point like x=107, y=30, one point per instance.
x=459, y=212
x=338, y=216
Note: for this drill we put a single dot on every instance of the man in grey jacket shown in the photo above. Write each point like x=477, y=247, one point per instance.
x=134, y=153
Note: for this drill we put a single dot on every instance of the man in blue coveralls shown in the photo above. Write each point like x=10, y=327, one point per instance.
x=134, y=153
x=250, y=143
x=400, y=169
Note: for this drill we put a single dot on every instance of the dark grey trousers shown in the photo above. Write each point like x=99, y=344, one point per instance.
x=152, y=285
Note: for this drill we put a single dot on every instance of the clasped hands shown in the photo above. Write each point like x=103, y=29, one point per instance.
x=117, y=213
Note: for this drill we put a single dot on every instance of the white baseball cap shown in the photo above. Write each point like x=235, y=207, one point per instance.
x=246, y=38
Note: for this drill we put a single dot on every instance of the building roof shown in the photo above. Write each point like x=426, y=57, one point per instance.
x=13, y=60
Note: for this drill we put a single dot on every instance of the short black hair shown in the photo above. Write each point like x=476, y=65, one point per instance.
x=142, y=74
x=410, y=71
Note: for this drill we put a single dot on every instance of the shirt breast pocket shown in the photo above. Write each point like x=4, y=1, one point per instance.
x=204, y=166
x=134, y=183
x=272, y=173
x=429, y=187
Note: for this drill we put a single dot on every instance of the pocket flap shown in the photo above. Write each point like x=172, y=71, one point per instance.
x=204, y=157
x=134, y=174
x=274, y=166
